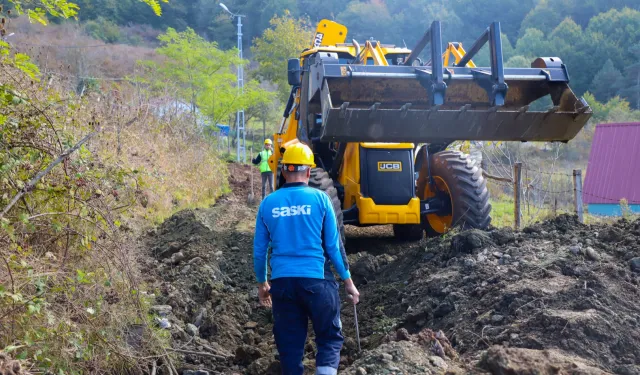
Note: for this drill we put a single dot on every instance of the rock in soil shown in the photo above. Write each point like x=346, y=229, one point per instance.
x=406, y=357
x=592, y=254
x=191, y=329
x=161, y=310
x=516, y=361
x=466, y=242
x=246, y=354
x=364, y=268
x=575, y=249
x=635, y=264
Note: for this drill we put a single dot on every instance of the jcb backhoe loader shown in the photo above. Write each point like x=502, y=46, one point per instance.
x=379, y=121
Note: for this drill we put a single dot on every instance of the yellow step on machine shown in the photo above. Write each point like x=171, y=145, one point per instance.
x=379, y=121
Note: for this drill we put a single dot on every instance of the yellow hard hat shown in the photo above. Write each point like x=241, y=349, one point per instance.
x=267, y=141
x=298, y=157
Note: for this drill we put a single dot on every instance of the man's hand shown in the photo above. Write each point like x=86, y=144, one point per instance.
x=263, y=294
x=352, y=291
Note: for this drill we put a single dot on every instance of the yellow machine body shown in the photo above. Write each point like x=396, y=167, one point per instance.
x=368, y=211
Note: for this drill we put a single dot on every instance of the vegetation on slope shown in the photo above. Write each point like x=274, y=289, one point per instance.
x=81, y=176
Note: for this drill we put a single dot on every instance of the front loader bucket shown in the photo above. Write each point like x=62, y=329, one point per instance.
x=406, y=103
x=400, y=109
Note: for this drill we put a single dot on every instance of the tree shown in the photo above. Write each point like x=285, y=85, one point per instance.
x=37, y=10
x=155, y=5
x=286, y=38
x=411, y=18
x=317, y=10
x=631, y=91
x=518, y=62
x=621, y=27
x=203, y=75
x=604, y=85
x=545, y=15
x=614, y=110
x=370, y=19
x=532, y=44
x=477, y=15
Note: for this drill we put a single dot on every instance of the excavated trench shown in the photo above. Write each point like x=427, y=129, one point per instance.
x=559, y=297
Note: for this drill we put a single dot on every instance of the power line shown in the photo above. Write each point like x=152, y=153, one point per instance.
x=548, y=173
x=550, y=191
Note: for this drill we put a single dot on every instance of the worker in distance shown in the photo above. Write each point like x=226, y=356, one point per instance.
x=262, y=161
x=299, y=223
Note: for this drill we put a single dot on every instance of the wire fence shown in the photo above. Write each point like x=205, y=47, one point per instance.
x=524, y=194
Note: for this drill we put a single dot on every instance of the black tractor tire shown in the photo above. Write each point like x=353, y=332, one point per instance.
x=321, y=180
x=467, y=189
x=408, y=232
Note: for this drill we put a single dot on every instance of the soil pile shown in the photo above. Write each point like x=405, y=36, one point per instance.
x=200, y=262
x=559, y=285
x=559, y=297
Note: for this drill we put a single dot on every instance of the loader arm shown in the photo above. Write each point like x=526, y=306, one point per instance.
x=456, y=50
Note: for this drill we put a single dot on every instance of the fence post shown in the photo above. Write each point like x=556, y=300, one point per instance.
x=517, y=193
x=577, y=194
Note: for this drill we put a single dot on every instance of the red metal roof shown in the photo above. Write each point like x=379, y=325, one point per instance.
x=613, y=171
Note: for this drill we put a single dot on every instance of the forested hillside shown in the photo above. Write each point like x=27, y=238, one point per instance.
x=598, y=39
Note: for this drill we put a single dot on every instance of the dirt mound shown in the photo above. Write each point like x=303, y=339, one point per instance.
x=200, y=262
x=559, y=297
x=557, y=285
x=240, y=183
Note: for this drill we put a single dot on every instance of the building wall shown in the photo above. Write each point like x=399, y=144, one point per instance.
x=606, y=209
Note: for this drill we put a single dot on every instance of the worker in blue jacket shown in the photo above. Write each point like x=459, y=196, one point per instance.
x=299, y=224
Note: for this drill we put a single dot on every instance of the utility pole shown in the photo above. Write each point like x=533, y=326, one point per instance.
x=240, y=115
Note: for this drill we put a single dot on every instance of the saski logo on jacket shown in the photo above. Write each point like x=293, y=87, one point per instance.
x=291, y=211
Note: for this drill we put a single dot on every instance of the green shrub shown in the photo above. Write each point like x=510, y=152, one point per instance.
x=103, y=29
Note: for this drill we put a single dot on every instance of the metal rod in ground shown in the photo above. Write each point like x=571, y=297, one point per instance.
x=577, y=194
x=517, y=194
x=355, y=316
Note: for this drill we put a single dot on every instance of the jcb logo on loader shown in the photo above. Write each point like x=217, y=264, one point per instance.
x=318, y=39
x=389, y=166
x=291, y=211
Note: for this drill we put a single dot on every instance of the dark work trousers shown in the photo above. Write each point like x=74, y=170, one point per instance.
x=267, y=177
x=295, y=300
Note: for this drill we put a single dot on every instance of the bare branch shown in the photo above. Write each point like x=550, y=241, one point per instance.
x=492, y=177
x=41, y=174
x=203, y=354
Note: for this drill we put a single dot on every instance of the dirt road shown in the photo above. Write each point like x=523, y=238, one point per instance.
x=558, y=298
